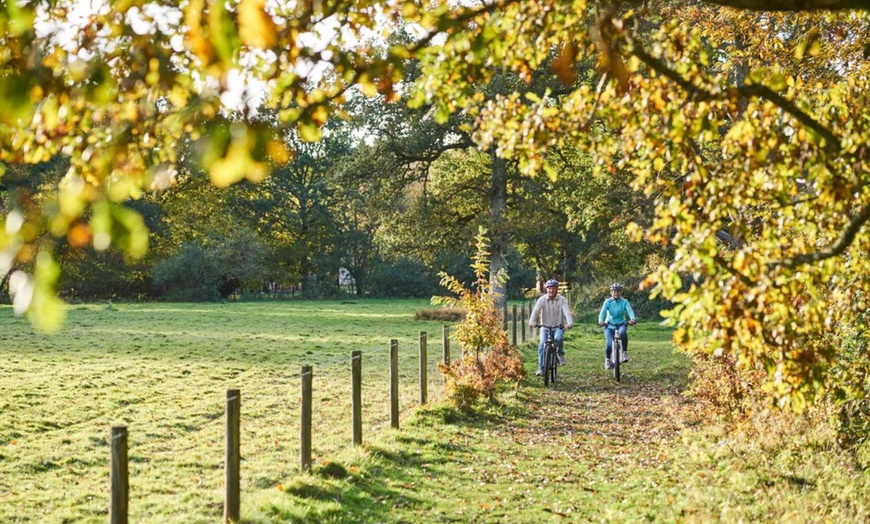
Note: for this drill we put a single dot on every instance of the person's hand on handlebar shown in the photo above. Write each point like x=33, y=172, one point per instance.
x=631, y=322
x=602, y=324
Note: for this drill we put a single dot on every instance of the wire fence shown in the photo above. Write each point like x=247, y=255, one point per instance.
x=329, y=368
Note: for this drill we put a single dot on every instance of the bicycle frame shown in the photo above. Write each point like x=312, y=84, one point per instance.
x=550, y=358
x=616, y=349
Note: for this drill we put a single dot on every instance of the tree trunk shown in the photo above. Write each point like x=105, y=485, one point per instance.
x=497, y=230
x=4, y=284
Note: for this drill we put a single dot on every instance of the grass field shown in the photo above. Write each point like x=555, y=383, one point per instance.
x=162, y=370
x=587, y=450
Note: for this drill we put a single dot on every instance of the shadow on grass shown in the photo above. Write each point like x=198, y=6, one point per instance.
x=339, y=494
x=391, y=473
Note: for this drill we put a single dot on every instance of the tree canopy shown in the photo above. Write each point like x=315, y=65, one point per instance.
x=744, y=122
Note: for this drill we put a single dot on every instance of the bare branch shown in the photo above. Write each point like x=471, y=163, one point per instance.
x=793, y=5
x=832, y=142
x=835, y=249
x=730, y=240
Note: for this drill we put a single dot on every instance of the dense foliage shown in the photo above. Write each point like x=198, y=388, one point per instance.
x=743, y=134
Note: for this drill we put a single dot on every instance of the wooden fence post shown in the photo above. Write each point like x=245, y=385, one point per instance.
x=232, y=501
x=305, y=430
x=523, y=321
x=514, y=328
x=394, y=383
x=445, y=343
x=356, y=395
x=120, y=478
x=423, y=371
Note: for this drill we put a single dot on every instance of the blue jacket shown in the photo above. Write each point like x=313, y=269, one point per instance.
x=615, y=310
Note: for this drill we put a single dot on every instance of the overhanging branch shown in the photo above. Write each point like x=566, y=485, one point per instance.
x=835, y=249
x=695, y=92
x=793, y=5
x=832, y=143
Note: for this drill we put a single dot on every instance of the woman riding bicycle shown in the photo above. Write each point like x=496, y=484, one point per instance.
x=551, y=310
x=612, y=317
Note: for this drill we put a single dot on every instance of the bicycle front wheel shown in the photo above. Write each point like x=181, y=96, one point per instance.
x=617, y=358
x=549, y=356
x=554, y=366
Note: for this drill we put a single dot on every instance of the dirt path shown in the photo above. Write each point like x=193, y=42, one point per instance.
x=581, y=451
x=598, y=414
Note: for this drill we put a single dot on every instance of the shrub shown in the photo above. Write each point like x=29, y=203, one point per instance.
x=722, y=388
x=402, y=278
x=444, y=315
x=488, y=359
x=216, y=269
x=191, y=275
x=589, y=297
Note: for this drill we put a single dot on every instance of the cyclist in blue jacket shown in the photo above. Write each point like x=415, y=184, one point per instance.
x=614, y=313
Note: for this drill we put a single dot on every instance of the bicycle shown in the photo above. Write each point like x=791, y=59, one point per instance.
x=551, y=359
x=616, y=350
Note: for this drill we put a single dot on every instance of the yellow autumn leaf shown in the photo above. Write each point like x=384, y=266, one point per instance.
x=231, y=168
x=368, y=86
x=739, y=262
x=277, y=151
x=320, y=114
x=309, y=131
x=196, y=39
x=256, y=27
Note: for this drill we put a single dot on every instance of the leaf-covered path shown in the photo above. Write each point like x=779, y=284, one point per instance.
x=587, y=450
x=580, y=452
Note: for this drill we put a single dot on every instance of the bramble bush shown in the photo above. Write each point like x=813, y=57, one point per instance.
x=725, y=390
x=488, y=359
x=443, y=315
x=722, y=388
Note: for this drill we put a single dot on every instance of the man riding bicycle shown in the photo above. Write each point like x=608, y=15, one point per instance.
x=612, y=317
x=551, y=310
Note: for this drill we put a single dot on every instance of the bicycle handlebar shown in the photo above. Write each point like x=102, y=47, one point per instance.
x=608, y=323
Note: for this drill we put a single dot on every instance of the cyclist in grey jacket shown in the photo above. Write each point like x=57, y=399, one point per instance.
x=551, y=310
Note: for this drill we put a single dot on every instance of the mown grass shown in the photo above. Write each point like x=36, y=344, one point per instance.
x=587, y=450
x=162, y=370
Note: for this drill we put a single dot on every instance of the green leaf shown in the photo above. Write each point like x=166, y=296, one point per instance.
x=223, y=31
x=20, y=17
x=115, y=225
x=46, y=311
x=777, y=82
x=309, y=130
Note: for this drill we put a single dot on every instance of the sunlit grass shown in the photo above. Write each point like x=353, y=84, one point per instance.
x=587, y=450
x=163, y=372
